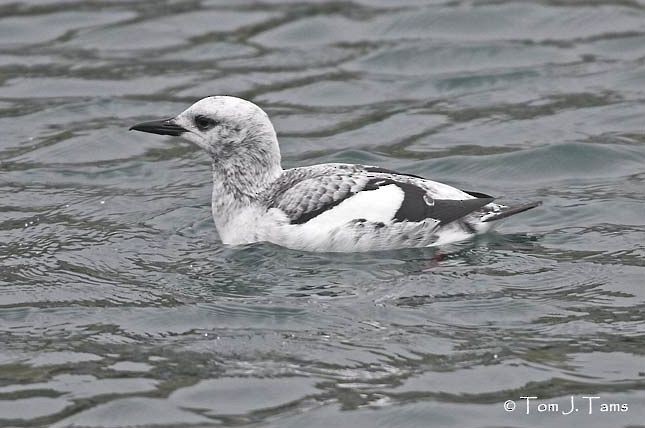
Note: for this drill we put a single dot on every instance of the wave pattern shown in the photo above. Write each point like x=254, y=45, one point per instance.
x=119, y=306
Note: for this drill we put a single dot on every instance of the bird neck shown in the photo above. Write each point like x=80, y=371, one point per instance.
x=242, y=174
x=246, y=180
x=238, y=186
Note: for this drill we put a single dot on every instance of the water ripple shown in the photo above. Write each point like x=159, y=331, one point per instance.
x=116, y=294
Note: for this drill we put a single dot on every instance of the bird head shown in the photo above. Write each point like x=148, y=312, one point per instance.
x=231, y=130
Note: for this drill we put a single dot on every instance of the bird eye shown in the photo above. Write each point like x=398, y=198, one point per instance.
x=203, y=122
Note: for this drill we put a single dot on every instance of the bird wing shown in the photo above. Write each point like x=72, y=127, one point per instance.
x=339, y=193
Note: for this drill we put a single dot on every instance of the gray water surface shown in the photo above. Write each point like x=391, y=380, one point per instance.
x=119, y=306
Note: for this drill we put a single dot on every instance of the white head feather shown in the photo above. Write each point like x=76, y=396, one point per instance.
x=239, y=138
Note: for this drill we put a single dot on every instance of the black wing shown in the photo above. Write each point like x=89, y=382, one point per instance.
x=313, y=191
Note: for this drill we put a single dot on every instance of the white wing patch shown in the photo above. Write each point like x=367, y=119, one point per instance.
x=378, y=205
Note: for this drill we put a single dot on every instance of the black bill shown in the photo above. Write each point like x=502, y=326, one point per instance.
x=161, y=127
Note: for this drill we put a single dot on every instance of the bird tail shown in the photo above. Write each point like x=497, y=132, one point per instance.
x=509, y=211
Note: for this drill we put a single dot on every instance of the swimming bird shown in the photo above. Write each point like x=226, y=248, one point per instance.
x=329, y=207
